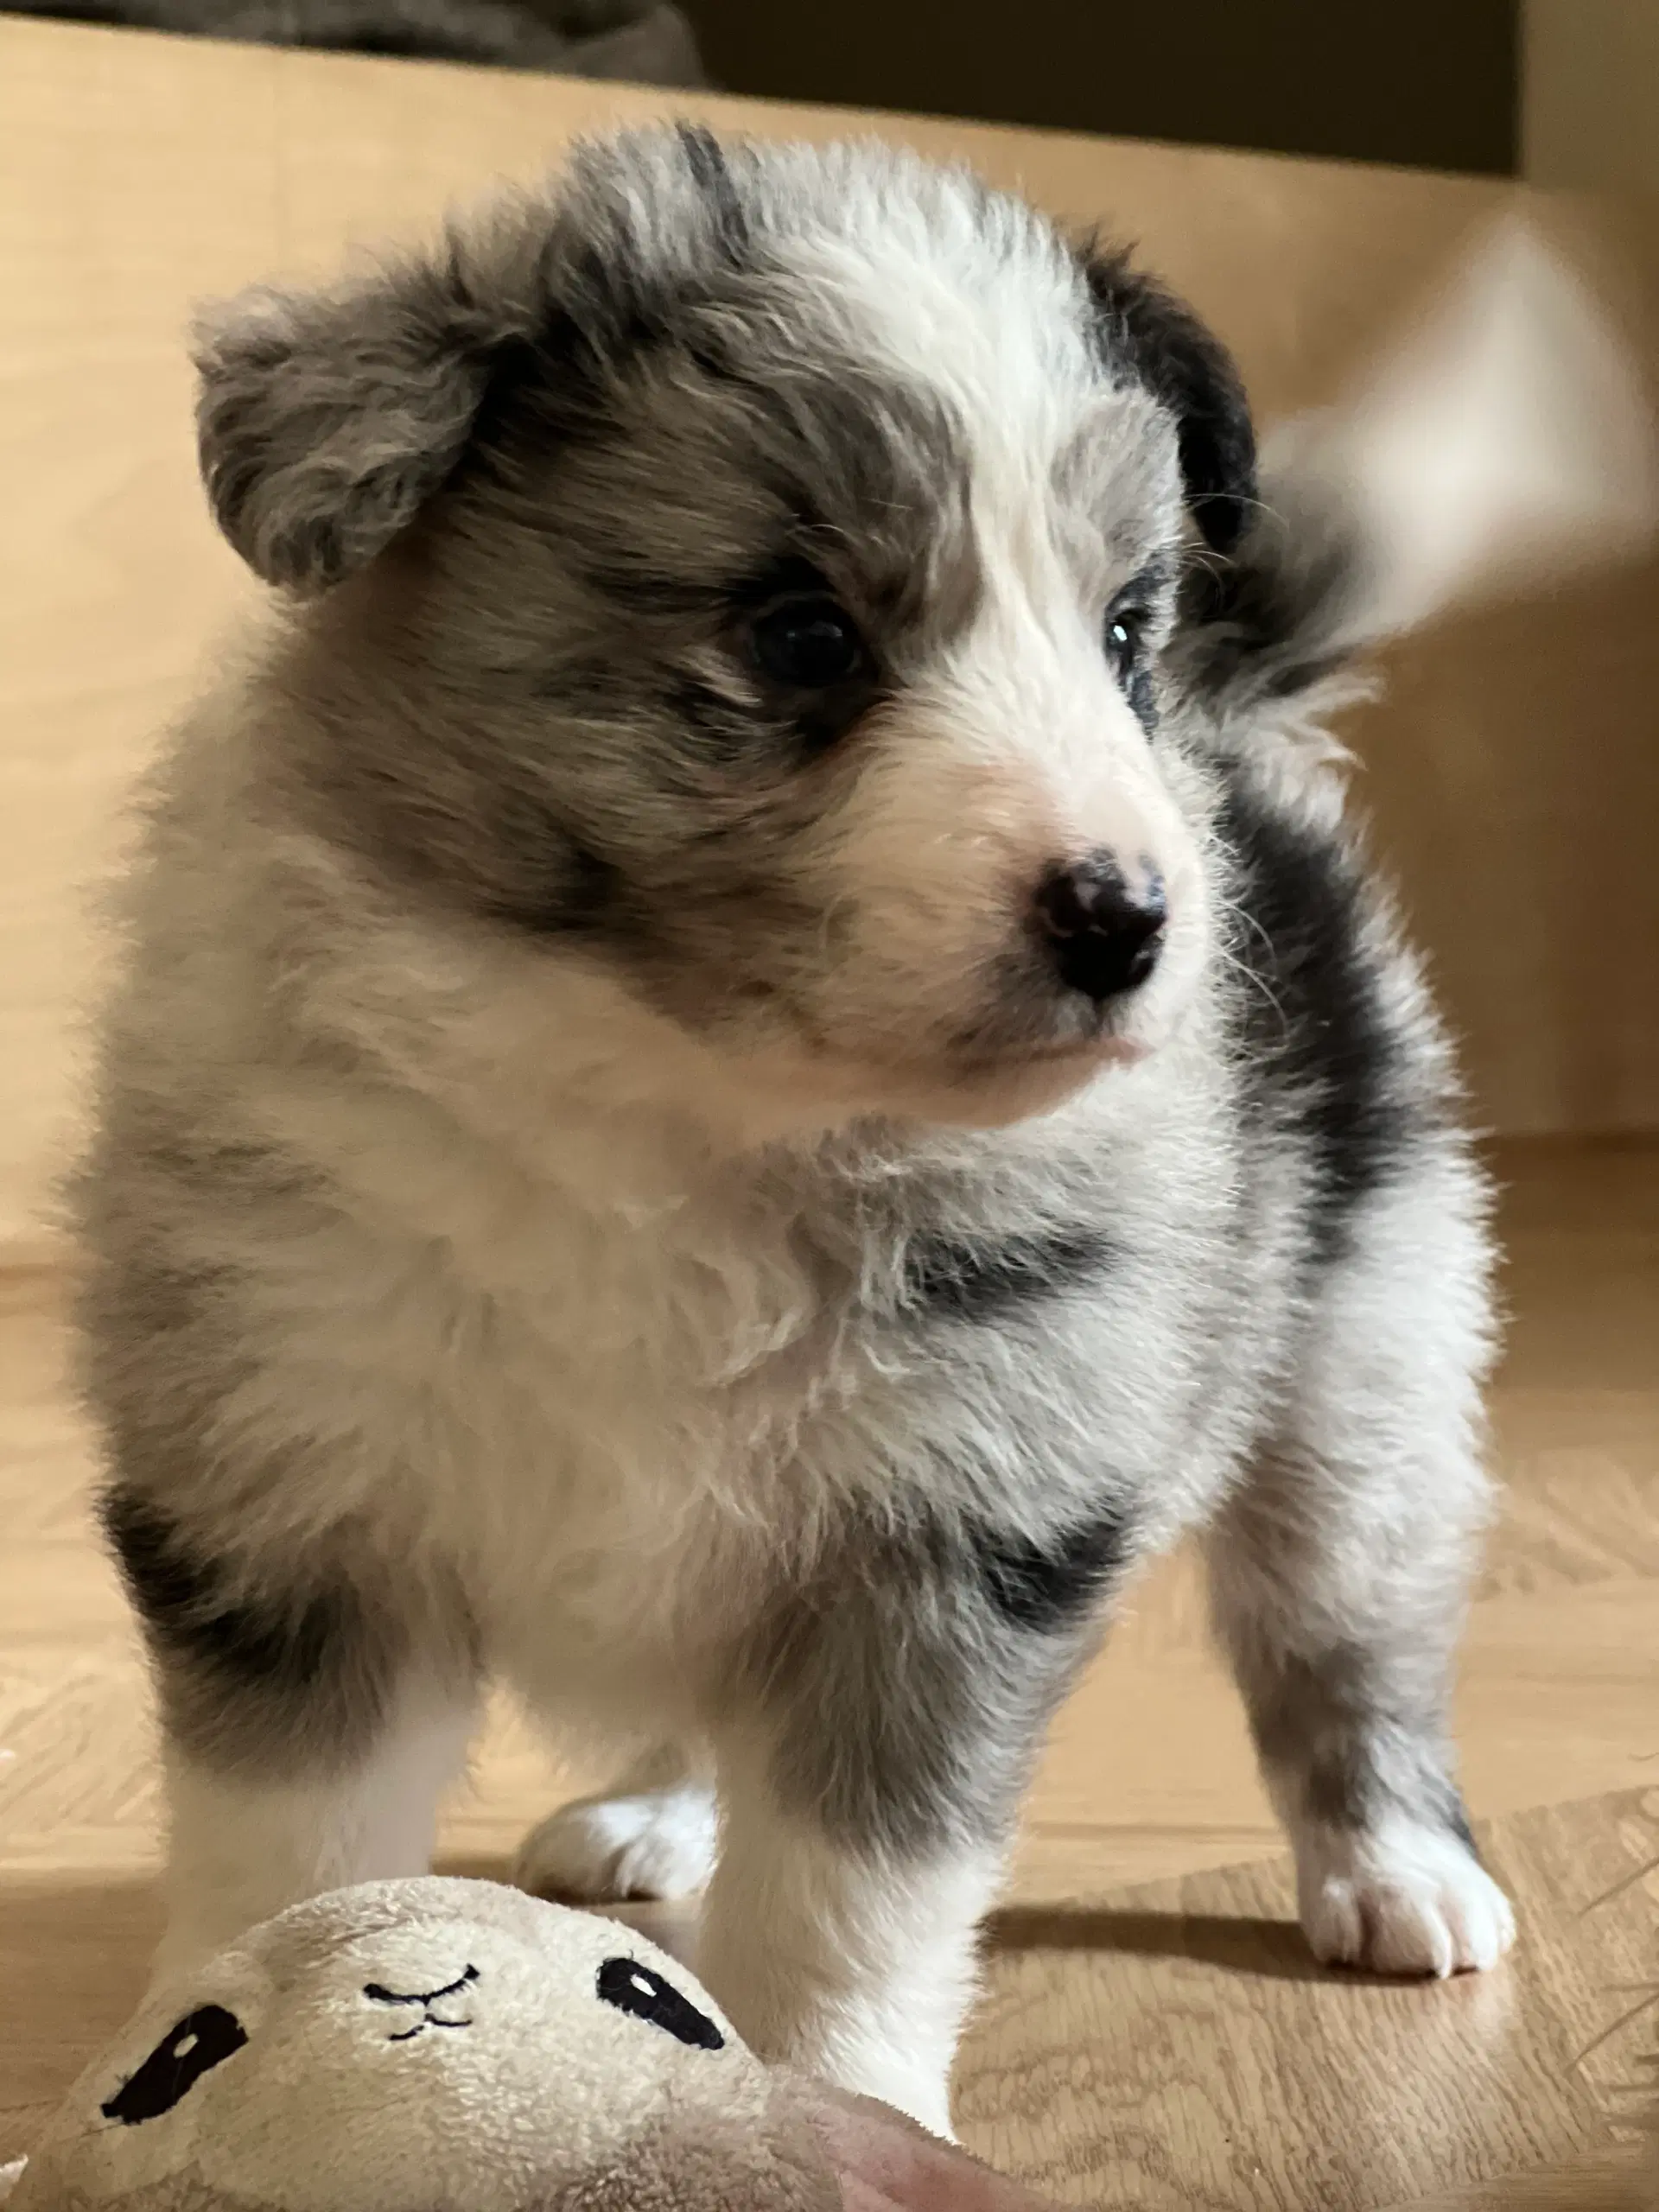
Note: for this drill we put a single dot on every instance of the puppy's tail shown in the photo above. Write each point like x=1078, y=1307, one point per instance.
x=1506, y=443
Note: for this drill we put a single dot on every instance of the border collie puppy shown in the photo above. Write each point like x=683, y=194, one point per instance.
x=753, y=1056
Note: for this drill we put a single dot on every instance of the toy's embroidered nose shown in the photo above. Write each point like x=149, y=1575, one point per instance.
x=428, y=2021
x=380, y=1996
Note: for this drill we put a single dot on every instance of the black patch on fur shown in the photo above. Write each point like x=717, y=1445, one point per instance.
x=201, y=2041
x=706, y=159
x=644, y=1994
x=280, y=1645
x=909, y=1681
x=986, y=1279
x=1315, y=1027
x=305, y=1667
x=588, y=891
x=1048, y=1587
x=707, y=598
x=1142, y=327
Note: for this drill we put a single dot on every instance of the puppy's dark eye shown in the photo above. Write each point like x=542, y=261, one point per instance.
x=642, y=1993
x=808, y=644
x=202, y=2040
x=1126, y=630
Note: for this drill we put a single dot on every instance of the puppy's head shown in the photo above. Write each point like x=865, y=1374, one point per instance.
x=747, y=573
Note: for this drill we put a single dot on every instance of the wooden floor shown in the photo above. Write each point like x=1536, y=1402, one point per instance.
x=1153, y=2033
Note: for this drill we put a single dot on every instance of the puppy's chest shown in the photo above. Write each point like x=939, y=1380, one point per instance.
x=616, y=1349
x=592, y=1368
x=688, y=1365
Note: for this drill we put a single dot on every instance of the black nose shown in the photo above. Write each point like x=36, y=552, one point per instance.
x=1105, y=933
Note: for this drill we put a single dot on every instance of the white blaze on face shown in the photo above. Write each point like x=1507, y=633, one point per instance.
x=1019, y=755
x=1009, y=749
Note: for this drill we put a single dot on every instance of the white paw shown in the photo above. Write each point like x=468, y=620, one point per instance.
x=660, y=1844
x=1403, y=1898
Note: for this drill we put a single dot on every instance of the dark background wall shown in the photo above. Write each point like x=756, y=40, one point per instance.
x=1432, y=82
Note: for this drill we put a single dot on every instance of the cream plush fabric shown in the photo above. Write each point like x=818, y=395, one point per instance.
x=430, y=2046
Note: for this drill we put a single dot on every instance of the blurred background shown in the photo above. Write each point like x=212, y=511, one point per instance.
x=1433, y=83
x=1558, y=91
x=1563, y=90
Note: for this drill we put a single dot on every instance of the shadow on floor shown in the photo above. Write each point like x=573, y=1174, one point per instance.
x=1275, y=1950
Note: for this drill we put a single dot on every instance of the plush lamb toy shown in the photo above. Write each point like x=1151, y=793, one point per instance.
x=451, y=2046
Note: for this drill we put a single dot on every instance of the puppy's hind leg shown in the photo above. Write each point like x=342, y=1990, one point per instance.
x=1340, y=1577
x=653, y=1835
x=306, y=1740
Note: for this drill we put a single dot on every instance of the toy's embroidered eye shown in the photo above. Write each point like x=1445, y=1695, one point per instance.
x=642, y=1993
x=204, y=2039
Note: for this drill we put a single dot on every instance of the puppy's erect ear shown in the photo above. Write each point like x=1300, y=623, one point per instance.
x=1163, y=342
x=327, y=419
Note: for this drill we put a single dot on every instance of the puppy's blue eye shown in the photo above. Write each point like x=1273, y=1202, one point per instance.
x=810, y=644
x=1125, y=634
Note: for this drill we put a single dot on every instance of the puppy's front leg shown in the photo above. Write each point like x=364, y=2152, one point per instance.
x=247, y=1842
x=876, y=1738
x=308, y=1725
x=849, y=1954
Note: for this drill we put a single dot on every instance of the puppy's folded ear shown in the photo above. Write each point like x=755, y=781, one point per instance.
x=1147, y=330
x=327, y=419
